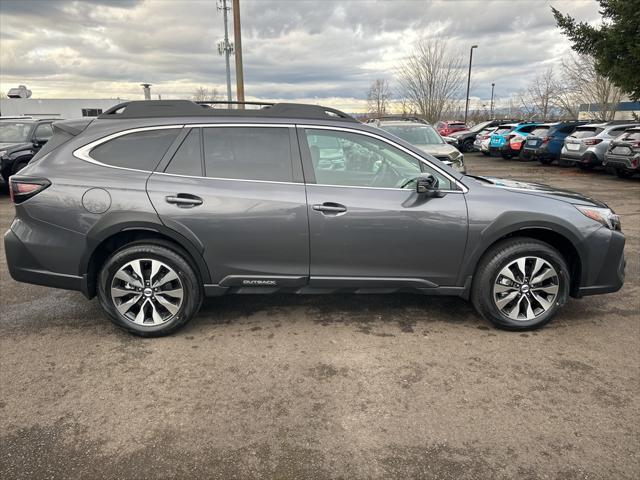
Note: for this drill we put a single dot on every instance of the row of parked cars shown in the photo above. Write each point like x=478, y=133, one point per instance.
x=614, y=145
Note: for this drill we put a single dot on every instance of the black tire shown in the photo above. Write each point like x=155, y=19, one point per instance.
x=545, y=161
x=565, y=163
x=191, y=286
x=467, y=146
x=623, y=173
x=500, y=256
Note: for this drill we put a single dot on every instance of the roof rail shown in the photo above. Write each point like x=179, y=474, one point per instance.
x=398, y=118
x=187, y=108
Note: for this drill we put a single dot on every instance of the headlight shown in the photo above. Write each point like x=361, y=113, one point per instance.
x=601, y=215
x=455, y=155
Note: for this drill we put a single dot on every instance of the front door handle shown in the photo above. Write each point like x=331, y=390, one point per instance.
x=184, y=200
x=330, y=207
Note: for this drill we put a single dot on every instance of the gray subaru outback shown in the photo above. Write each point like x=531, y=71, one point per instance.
x=154, y=205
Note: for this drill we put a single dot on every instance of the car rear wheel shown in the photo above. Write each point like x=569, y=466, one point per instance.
x=149, y=290
x=520, y=284
x=467, y=146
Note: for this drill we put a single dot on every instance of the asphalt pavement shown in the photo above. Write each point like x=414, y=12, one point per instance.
x=342, y=386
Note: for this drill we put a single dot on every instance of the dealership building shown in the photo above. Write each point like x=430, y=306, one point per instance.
x=56, y=107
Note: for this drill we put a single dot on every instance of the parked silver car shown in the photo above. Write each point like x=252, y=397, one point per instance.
x=587, y=145
x=426, y=138
x=623, y=155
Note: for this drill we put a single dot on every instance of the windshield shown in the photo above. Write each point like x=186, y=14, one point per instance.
x=503, y=130
x=631, y=136
x=415, y=135
x=478, y=127
x=584, y=132
x=14, y=132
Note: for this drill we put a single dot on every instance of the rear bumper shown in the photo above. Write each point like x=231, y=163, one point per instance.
x=586, y=158
x=23, y=267
x=619, y=161
x=540, y=153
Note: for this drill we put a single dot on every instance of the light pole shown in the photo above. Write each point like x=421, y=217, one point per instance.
x=493, y=85
x=225, y=48
x=466, y=105
x=237, y=37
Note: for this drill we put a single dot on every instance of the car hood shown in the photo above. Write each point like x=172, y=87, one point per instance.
x=459, y=133
x=444, y=149
x=13, y=146
x=540, y=189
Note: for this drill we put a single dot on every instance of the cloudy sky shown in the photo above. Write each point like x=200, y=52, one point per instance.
x=319, y=51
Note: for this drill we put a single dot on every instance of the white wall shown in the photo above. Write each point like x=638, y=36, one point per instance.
x=59, y=107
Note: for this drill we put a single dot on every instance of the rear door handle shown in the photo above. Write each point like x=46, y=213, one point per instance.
x=330, y=207
x=184, y=200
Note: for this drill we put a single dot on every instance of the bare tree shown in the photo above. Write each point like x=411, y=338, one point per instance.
x=378, y=97
x=580, y=83
x=203, y=94
x=539, y=98
x=431, y=78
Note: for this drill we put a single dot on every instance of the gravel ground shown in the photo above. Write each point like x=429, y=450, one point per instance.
x=390, y=386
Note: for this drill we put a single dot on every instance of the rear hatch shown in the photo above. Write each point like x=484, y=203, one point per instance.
x=538, y=137
x=627, y=145
x=581, y=139
x=498, y=138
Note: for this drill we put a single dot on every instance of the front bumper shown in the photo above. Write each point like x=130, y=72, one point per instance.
x=603, y=268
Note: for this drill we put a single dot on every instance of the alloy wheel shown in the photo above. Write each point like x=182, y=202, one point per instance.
x=526, y=288
x=147, y=292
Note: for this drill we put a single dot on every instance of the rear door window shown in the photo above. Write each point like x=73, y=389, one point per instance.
x=188, y=159
x=138, y=150
x=248, y=153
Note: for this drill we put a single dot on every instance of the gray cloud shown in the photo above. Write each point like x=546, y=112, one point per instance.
x=292, y=49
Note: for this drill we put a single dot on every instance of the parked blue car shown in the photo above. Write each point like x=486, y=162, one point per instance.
x=545, y=142
x=508, y=139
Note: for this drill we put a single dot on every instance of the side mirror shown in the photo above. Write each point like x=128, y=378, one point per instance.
x=38, y=142
x=426, y=183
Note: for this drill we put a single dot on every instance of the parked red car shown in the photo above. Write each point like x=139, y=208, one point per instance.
x=446, y=128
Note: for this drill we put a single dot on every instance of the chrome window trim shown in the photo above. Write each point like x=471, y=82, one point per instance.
x=83, y=153
x=463, y=187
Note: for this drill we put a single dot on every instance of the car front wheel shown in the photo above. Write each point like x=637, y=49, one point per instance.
x=149, y=290
x=520, y=284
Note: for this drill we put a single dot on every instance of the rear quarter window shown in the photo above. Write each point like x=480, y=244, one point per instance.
x=138, y=150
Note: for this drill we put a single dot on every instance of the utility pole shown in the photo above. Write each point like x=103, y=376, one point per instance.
x=225, y=47
x=466, y=105
x=493, y=85
x=237, y=40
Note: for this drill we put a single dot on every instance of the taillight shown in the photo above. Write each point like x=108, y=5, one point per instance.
x=592, y=141
x=23, y=188
x=636, y=146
